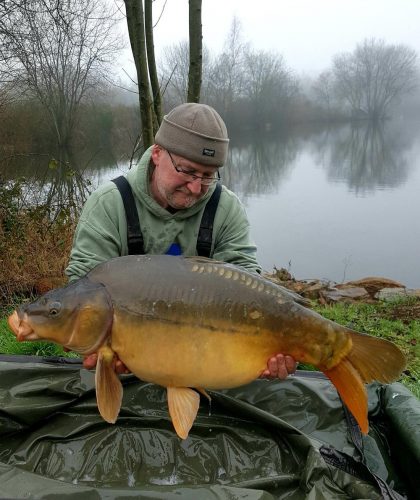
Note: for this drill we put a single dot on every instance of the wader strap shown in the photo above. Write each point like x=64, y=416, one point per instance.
x=205, y=234
x=134, y=234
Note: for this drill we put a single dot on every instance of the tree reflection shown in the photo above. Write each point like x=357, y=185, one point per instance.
x=53, y=185
x=259, y=166
x=68, y=188
x=366, y=157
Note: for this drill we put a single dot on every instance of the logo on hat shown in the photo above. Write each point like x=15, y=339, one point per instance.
x=208, y=152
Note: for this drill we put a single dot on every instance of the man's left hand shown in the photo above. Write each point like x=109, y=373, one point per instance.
x=279, y=366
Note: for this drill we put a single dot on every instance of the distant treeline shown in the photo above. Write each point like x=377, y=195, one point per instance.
x=57, y=88
x=106, y=123
x=25, y=128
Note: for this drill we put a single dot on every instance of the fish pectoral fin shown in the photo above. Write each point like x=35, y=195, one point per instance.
x=109, y=389
x=352, y=391
x=183, y=406
x=204, y=393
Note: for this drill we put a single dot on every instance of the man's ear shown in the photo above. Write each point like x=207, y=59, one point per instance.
x=156, y=153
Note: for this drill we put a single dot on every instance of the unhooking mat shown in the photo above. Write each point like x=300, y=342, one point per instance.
x=267, y=440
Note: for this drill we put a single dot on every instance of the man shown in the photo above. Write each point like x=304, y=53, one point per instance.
x=172, y=185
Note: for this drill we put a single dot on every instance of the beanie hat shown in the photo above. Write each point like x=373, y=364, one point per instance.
x=195, y=132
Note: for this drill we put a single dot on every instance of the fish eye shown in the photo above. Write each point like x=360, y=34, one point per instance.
x=54, y=308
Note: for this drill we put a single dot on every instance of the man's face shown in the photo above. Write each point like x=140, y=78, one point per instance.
x=174, y=182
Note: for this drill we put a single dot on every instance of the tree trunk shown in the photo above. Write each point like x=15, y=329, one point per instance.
x=136, y=31
x=154, y=81
x=196, y=51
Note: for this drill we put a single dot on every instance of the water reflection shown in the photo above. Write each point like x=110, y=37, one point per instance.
x=50, y=182
x=259, y=167
x=33, y=165
x=282, y=176
x=67, y=188
x=366, y=157
x=252, y=169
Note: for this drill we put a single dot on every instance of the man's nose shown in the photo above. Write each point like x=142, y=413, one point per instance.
x=195, y=186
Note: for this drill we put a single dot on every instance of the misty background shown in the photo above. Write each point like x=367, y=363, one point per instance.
x=321, y=99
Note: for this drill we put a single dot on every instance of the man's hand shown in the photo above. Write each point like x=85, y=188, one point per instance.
x=89, y=362
x=279, y=366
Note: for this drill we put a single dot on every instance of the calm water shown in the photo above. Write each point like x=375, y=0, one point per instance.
x=337, y=204
x=346, y=207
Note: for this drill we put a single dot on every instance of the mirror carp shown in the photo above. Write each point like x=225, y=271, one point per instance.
x=191, y=324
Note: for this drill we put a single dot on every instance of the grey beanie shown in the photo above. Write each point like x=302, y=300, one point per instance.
x=195, y=132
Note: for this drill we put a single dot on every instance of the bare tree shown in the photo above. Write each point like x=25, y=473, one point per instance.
x=374, y=75
x=8, y=94
x=228, y=71
x=174, y=66
x=174, y=70
x=324, y=89
x=196, y=51
x=56, y=51
x=270, y=86
x=245, y=86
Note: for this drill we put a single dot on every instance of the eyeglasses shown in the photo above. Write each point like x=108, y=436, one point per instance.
x=190, y=176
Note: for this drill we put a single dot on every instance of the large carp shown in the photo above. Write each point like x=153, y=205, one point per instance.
x=194, y=323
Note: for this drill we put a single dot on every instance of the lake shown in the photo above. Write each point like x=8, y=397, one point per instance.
x=340, y=203
x=346, y=206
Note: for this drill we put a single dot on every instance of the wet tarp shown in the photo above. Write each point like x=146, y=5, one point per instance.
x=267, y=440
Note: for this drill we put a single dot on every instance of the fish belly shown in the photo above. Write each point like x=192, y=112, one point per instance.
x=191, y=356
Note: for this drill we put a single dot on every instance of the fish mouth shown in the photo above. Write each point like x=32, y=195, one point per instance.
x=21, y=327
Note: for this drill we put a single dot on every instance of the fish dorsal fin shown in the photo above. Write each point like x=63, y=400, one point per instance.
x=109, y=389
x=183, y=406
x=352, y=391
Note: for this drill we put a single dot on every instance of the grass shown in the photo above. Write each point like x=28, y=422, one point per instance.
x=9, y=344
x=392, y=321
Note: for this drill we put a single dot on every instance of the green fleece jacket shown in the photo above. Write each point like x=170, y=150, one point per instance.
x=101, y=233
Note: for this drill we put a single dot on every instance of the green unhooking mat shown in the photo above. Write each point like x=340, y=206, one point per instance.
x=268, y=440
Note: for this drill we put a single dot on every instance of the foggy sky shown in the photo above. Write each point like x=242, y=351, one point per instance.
x=306, y=32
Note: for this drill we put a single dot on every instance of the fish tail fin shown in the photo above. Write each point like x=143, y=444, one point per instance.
x=352, y=391
x=370, y=358
x=109, y=389
x=183, y=406
x=375, y=358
